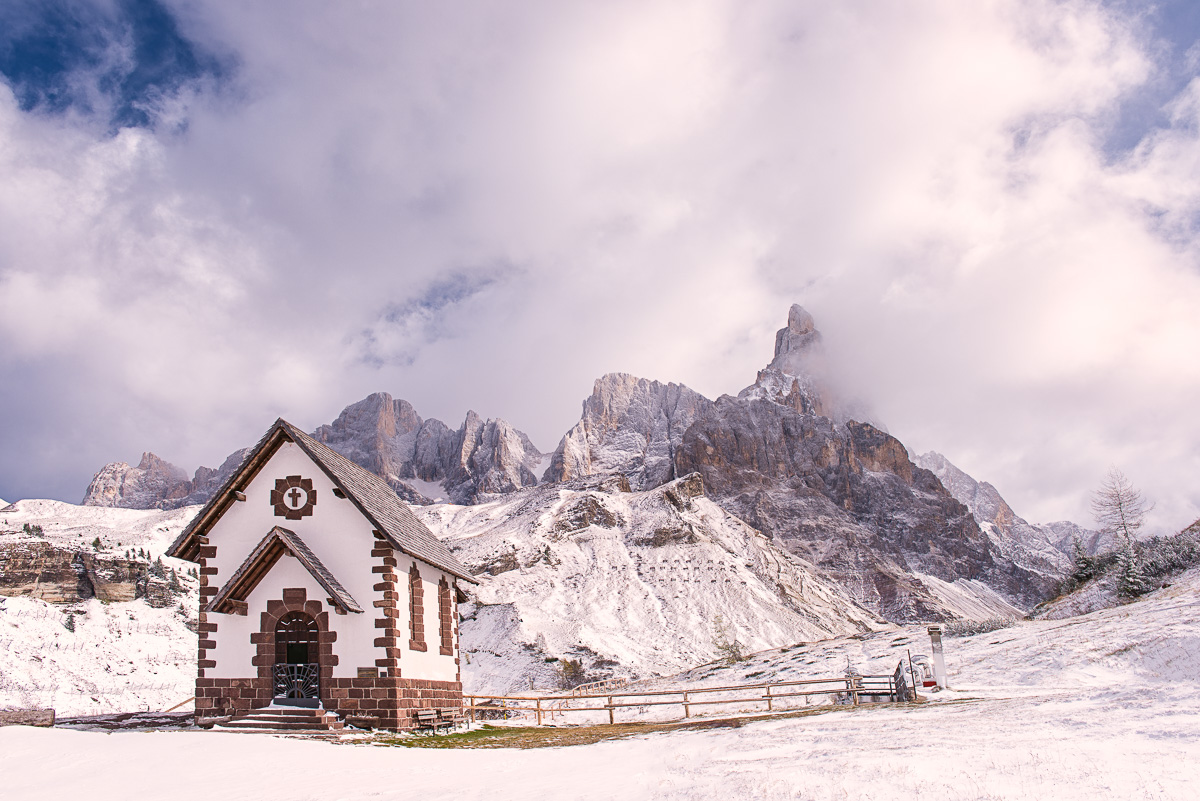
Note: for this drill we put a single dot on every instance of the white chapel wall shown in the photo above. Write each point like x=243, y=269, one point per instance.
x=341, y=537
x=336, y=532
x=431, y=663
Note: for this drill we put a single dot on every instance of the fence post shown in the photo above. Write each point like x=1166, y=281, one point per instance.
x=687, y=710
x=539, y=711
x=472, y=708
x=769, y=707
x=610, y=710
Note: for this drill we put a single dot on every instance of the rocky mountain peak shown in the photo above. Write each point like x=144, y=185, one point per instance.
x=796, y=376
x=630, y=426
x=155, y=464
x=151, y=484
x=796, y=343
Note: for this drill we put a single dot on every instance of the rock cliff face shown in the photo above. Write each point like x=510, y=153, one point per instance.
x=786, y=457
x=1030, y=546
x=387, y=436
x=418, y=458
x=630, y=426
x=151, y=484
x=847, y=498
x=60, y=575
x=156, y=484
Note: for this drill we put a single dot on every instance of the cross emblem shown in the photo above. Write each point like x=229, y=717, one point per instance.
x=293, y=497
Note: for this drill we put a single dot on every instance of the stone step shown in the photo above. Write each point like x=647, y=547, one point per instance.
x=273, y=725
x=286, y=718
x=288, y=713
x=288, y=709
x=289, y=720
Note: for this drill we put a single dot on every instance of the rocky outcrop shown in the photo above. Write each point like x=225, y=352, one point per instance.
x=796, y=376
x=847, y=498
x=60, y=575
x=157, y=484
x=1030, y=546
x=387, y=436
x=492, y=458
x=153, y=484
x=629, y=426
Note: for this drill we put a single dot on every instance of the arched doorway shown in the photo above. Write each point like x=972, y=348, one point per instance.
x=296, y=672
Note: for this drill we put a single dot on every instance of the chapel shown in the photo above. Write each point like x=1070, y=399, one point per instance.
x=320, y=588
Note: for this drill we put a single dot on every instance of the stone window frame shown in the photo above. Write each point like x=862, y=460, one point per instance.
x=416, y=610
x=446, y=617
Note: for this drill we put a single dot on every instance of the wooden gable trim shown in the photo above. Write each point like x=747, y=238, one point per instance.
x=378, y=528
x=187, y=545
x=279, y=541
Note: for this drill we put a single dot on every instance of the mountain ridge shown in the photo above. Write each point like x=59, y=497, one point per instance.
x=786, y=455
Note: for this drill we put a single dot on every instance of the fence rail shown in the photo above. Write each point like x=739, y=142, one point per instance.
x=850, y=689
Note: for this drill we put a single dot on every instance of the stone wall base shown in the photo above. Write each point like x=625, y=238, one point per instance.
x=389, y=700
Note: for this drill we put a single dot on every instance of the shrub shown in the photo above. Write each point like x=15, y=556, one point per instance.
x=965, y=628
x=571, y=674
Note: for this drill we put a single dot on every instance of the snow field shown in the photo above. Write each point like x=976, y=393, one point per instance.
x=121, y=657
x=1097, y=707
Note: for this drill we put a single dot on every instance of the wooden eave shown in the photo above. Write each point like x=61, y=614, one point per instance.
x=187, y=545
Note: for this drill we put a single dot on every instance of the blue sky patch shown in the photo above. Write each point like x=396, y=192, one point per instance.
x=120, y=60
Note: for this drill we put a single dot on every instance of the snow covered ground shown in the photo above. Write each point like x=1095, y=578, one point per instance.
x=121, y=657
x=629, y=582
x=1104, y=706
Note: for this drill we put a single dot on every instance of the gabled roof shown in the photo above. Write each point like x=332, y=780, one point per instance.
x=264, y=556
x=390, y=516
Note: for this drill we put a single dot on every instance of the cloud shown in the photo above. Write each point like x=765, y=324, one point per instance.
x=489, y=206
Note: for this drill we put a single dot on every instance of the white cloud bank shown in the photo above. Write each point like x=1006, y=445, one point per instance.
x=490, y=205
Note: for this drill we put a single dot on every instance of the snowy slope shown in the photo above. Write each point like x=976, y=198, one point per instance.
x=69, y=525
x=121, y=656
x=632, y=583
x=1105, y=706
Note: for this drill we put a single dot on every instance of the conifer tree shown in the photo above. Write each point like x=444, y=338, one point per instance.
x=1131, y=578
x=1083, y=566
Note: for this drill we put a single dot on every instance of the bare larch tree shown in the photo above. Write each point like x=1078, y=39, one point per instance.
x=1118, y=506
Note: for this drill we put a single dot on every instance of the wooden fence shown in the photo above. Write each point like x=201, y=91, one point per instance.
x=774, y=695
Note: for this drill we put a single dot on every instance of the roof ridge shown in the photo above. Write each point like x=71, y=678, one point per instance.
x=376, y=500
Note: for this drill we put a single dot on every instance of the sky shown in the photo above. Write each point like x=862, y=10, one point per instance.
x=214, y=214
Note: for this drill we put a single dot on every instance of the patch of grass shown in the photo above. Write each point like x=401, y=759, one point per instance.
x=557, y=737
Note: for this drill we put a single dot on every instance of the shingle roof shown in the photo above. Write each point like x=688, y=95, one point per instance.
x=264, y=556
x=373, y=497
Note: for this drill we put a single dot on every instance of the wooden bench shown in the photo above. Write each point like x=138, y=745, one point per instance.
x=437, y=718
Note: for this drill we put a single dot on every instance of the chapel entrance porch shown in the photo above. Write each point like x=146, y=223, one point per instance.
x=296, y=672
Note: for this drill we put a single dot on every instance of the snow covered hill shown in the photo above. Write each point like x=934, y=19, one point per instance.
x=630, y=583
x=88, y=656
x=1103, y=706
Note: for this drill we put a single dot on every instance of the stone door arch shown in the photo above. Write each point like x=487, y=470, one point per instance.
x=298, y=624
